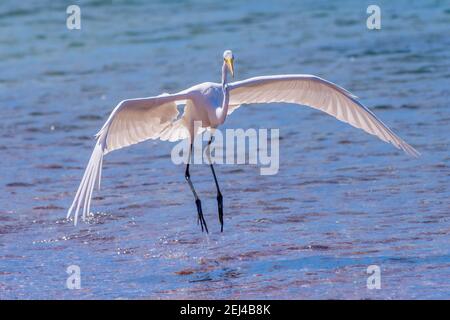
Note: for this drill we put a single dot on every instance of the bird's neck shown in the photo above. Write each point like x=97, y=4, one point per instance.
x=221, y=113
x=224, y=75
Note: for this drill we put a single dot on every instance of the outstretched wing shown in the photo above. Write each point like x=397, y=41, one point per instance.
x=136, y=120
x=317, y=93
x=131, y=122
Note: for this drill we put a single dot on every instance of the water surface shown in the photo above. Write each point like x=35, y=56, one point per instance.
x=342, y=199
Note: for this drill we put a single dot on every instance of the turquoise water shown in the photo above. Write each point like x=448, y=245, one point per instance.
x=342, y=199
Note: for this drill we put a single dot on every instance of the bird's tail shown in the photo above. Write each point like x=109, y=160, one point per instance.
x=91, y=176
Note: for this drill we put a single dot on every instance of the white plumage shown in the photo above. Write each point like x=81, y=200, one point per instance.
x=136, y=120
x=317, y=93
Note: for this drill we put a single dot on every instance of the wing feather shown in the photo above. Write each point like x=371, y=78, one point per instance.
x=317, y=93
x=131, y=122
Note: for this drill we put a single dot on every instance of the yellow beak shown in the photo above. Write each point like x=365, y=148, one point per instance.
x=230, y=65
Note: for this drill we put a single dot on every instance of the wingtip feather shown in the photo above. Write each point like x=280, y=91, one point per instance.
x=91, y=175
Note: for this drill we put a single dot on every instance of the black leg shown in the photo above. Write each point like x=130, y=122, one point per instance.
x=198, y=203
x=219, y=194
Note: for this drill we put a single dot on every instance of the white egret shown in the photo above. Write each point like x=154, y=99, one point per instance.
x=136, y=120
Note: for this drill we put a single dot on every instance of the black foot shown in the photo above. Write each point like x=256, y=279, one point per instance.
x=201, y=219
x=220, y=206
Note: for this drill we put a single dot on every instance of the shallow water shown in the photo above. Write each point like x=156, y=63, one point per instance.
x=342, y=199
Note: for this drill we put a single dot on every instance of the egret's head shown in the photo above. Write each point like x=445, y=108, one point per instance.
x=228, y=58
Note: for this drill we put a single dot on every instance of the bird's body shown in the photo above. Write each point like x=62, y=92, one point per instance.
x=206, y=98
x=208, y=104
